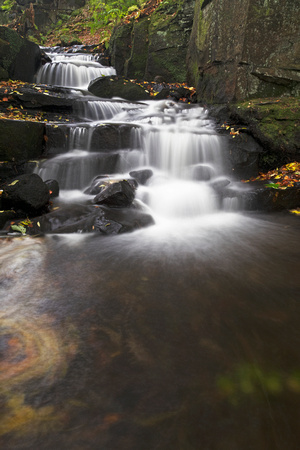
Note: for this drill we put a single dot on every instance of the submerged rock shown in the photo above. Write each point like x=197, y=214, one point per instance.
x=141, y=176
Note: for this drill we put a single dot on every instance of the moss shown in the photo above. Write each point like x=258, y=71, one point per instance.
x=275, y=122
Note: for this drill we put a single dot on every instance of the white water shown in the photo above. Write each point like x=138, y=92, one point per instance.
x=177, y=141
x=72, y=70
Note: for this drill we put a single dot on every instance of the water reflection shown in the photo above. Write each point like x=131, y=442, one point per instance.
x=180, y=338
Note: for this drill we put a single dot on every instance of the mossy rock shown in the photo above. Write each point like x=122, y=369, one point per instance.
x=275, y=123
x=19, y=57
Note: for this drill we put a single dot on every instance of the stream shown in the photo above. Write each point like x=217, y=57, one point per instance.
x=183, y=335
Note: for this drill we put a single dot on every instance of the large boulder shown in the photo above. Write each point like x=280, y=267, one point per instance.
x=247, y=51
x=19, y=58
x=26, y=192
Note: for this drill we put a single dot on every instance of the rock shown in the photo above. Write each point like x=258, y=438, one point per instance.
x=19, y=58
x=97, y=185
x=116, y=195
x=202, y=172
x=112, y=221
x=101, y=182
x=154, y=44
x=237, y=53
x=256, y=196
x=6, y=216
x=89, y=219
x=142, y=176
x=53, y=188
x=21, y=140
x=113, y=136
x=113, y=86
x=27, y=192
x=219, y=184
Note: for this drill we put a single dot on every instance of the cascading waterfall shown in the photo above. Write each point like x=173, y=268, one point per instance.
x=72, y=71
x=177, y=141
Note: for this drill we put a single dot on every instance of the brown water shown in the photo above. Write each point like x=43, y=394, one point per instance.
x=160, y=339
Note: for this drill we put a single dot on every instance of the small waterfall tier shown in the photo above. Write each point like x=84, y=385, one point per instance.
x=72, y=70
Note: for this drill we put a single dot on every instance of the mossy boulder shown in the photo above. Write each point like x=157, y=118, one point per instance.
x=275, y=124
x=19, y=58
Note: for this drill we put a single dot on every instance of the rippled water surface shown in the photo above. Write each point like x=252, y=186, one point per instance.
x=180, y=338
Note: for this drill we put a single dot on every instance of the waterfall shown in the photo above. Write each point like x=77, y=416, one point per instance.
x=72, y=71
x=178, y=142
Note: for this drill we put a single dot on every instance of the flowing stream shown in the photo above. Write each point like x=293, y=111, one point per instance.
x=183, y=335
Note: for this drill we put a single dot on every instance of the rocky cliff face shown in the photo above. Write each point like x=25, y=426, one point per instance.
x=19, y=58
x=244, y=49
x=46, y=12
x=155, y=45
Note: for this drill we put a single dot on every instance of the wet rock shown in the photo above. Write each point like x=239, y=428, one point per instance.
x=113, y=86
x=116, y=195
x=142, y=176
x=257, y=196
x=219, y=183
x=108, y=137
x=103, y=181
x=45, y=98
x=20, y=140
x=53, y=188
x=112, y=221
x=202, y=172
x=27, y=192
x=97, y=185
x=6, y=216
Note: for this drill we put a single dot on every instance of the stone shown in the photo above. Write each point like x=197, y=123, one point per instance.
x=257, y=196
x=53, y=188
x=113, y=86
x=21, y=140
x=142, y=176
x=116, y=195
x=154, y=44
x=112, y=221
x=27, y=192
x=202, y=172
x=250, y=52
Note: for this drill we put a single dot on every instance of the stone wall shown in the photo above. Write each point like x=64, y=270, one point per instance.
x=244, y=49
